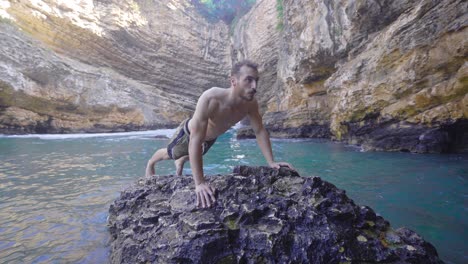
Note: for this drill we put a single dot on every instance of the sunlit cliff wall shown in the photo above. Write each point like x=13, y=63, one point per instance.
x=389, y=75
x=105, y=65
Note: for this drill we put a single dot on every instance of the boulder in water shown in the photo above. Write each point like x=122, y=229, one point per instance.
x=262, y=215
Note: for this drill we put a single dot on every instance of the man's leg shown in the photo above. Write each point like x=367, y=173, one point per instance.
x=179, y=164
x=160, y=154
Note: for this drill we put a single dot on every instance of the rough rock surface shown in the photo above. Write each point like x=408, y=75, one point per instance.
x=310, y=131
x=262, y=215
x=68, y=66
x=406, y=86
x=390, y=75
x=256, y=37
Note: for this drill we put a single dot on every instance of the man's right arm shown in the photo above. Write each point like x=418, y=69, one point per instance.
x=198, y=126
x=263, y=138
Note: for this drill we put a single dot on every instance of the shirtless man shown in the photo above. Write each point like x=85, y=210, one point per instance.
x=217, y=110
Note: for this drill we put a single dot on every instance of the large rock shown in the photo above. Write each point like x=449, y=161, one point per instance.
x=262, y=215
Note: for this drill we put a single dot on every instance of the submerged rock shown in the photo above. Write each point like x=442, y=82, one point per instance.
x=245, y=133
x=262, y=215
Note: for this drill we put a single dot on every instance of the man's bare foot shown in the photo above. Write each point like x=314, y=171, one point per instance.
x=150, y=171
x=179, y=164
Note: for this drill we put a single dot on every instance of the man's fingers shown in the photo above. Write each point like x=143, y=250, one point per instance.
x=207, y=197
x=287, y=165
x=211, y=193
x=290, y=166
x=202, y=198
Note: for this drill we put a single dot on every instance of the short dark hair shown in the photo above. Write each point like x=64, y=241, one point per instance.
x=236, y=68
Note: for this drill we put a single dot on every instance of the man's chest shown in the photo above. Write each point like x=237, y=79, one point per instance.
x=227, y=117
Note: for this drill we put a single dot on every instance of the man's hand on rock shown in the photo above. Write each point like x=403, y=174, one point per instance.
x=277, y=165
x=205, y=195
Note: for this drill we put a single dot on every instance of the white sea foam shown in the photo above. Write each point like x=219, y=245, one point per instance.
x=238, y=125
x=139, y=134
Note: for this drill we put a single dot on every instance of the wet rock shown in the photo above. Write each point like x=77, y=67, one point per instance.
x=278, y=131
x=245, y=133
x=161, y=137
x=262, y=215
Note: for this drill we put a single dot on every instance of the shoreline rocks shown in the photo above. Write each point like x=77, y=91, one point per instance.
x=262, y=215
x=310, y=131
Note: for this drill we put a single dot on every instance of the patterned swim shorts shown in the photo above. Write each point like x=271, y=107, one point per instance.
x=179, y=143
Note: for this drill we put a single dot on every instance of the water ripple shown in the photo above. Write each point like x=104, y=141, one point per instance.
x=55, y=193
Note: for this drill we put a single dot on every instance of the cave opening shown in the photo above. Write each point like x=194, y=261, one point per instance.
x=458, y=136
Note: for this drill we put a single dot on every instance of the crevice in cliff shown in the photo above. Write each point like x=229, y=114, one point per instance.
x=457, y=136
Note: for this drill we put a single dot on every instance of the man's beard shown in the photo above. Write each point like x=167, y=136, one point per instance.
x=250, y=96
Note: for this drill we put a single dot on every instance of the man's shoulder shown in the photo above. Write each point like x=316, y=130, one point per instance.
x=212, y=97
x=214, y=92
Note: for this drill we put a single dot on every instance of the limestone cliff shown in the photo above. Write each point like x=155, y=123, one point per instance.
x=105, y=65
x=255, y=37
x=390, y=75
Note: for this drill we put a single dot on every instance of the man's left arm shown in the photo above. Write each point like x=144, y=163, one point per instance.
x=263, y=138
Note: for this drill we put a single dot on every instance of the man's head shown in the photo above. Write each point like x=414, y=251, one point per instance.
x=244, y=79
x=236, y=68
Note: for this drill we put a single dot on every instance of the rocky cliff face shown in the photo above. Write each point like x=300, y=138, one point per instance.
x=105, y=65
x=407, y=89
x=256, y=37
x=390, y=75
x=262, y=215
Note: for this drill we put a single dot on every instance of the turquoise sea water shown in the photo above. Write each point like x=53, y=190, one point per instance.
x=55, y=191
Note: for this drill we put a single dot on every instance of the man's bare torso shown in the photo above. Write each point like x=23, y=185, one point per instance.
x=222, y=114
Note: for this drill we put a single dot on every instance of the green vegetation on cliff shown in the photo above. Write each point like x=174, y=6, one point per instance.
x=226, y=10
x=5, y=20
x=279, y=9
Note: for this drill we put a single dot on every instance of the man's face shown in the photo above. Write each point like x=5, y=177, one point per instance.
x=245, y=82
